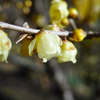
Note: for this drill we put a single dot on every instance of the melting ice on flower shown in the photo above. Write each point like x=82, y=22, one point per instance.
x=46, y=44
x=5, y=46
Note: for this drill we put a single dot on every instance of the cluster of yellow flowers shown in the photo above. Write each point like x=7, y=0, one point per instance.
x=49, y=45
x=59, y=13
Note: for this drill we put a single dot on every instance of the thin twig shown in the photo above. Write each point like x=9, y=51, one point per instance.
x=72, y=23
x=28, y=30
x=89, y=34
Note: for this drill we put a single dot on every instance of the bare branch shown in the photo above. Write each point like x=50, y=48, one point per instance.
x=29, y=30
x=26, y=63
x=89, y=34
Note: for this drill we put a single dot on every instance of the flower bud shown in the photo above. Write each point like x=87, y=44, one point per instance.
x=73, y=13
x=5, y=46
x=68, y=52
x=78, y=35
x=65, y=21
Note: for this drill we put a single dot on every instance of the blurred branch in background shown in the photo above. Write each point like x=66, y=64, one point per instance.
x=59, y=77
x=26, y=63
x=61, y=80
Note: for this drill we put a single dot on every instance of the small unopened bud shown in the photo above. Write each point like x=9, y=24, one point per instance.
x=65, y=21
x=73, y=13
x=78, y=35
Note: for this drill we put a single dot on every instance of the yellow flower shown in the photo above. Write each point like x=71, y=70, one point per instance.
x=58, y=11
x=5, y=46
x=46, y=44
x=68, y=52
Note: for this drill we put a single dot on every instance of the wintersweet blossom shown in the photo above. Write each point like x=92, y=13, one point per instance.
x=58, y=11
x=5, y=46
x=69, y=52
x=47, y=45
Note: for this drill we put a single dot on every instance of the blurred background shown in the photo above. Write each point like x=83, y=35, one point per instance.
x=29, y=78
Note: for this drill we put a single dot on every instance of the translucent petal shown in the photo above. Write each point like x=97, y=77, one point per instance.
x=56, y=38
x=68, y=52
x=61, y=11
x=47, y=47
x=5, y=46
x=32, y=46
